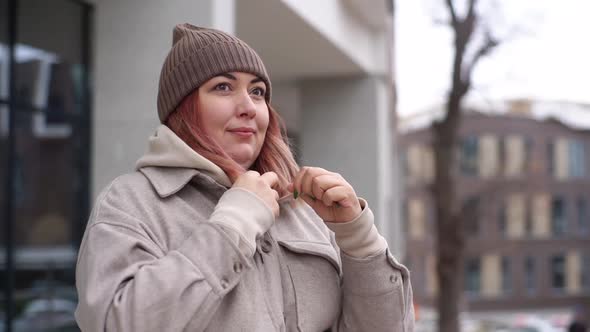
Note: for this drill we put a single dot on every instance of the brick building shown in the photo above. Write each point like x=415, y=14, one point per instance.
x=524, y=188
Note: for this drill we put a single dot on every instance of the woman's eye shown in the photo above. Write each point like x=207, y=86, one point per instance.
x=222, y=87
x=258, y=92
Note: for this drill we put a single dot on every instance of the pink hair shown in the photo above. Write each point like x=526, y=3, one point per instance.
x=275, y=154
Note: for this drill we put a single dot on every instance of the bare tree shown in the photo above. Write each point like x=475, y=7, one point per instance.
x=449, y=229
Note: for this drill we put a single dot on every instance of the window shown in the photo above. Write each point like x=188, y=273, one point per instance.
x=502, y=220
x=529, y=275
x=515, y=155
x=516, y=215
x=550, y=158
x=577, y=159
x=470, y=214
x=469, y=156
x=416, y=218
x=413, y=163
x=488, y=155
x=583, y=216
x=506, y=276
x=558, y=215
x=472, y=276
x=528, y=155
x=47, y=175
x=557, y=266
x=528, y=221
x=502, y=154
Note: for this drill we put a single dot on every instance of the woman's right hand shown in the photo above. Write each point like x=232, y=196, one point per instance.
x=262, y=186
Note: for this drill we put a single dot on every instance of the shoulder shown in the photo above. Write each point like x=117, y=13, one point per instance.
x=125, y=195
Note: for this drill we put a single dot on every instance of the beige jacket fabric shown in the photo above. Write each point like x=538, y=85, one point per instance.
x=171, y=248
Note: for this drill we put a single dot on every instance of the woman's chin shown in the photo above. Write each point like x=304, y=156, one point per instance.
x=243, y=159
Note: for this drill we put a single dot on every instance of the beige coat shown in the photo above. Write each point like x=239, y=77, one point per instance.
x=160, y=254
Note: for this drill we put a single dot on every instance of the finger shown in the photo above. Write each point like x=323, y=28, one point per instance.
x=252, y=174
x=339, y=194
x=271, y=178
x=275, y=208
x=307, y=181
x=290, y=187
x=310, y=201
x=298, y=178
x=323, y=182
x=276, y=195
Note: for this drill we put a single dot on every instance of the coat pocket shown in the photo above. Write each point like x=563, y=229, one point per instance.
x=314, y=271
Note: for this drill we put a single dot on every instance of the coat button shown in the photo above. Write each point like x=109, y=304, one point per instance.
x=238, y=267
x=393, y=278
x=266, y=246
x=224, y=283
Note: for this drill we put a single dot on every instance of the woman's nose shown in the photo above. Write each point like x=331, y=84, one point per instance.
x=245, y=105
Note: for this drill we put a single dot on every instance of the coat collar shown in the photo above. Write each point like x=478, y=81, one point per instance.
x=167, y=150
x=167, y=181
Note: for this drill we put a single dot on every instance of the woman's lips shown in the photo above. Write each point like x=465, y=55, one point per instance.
x=243, y=132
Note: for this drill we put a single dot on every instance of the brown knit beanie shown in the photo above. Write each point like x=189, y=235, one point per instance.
x=199, y=54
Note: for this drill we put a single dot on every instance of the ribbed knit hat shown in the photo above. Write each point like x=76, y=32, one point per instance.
x=199, y=54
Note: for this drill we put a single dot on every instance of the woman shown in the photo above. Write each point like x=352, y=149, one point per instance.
x=220, y=230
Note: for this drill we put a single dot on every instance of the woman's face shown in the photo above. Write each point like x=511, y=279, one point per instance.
x=234, y=113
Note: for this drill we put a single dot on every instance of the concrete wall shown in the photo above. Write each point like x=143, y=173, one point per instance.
x=286, y=101
x=343, y=129
x=131, y=40
x=339, y=24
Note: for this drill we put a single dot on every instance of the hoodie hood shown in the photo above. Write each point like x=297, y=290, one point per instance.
x=166, y=149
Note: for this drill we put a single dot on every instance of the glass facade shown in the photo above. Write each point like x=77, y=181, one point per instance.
x=45, y=140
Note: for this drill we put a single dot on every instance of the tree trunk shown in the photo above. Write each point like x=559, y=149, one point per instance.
x=449, y=231
x=449, y=226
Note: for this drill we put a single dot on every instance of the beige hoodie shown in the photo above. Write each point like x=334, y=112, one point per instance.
x=358, y=238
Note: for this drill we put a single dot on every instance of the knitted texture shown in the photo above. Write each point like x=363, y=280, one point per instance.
x=199, y=54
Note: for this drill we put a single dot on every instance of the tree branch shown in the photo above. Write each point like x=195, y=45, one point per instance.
x=453, y=13
x=471, y=11
x=488, y=46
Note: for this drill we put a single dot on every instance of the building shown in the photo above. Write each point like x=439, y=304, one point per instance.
x=524, y=189
x=82, y=93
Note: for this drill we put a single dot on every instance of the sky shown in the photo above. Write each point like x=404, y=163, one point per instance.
x=545, y=57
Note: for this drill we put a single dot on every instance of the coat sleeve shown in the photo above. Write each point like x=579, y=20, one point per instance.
x=376, y=289
x=127, y=282
x=377, y=295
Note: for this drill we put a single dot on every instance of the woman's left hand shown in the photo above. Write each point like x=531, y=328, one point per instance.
x=331, y=197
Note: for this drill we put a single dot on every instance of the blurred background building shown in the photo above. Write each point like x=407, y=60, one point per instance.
x=78, y=84
x=523, y=181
